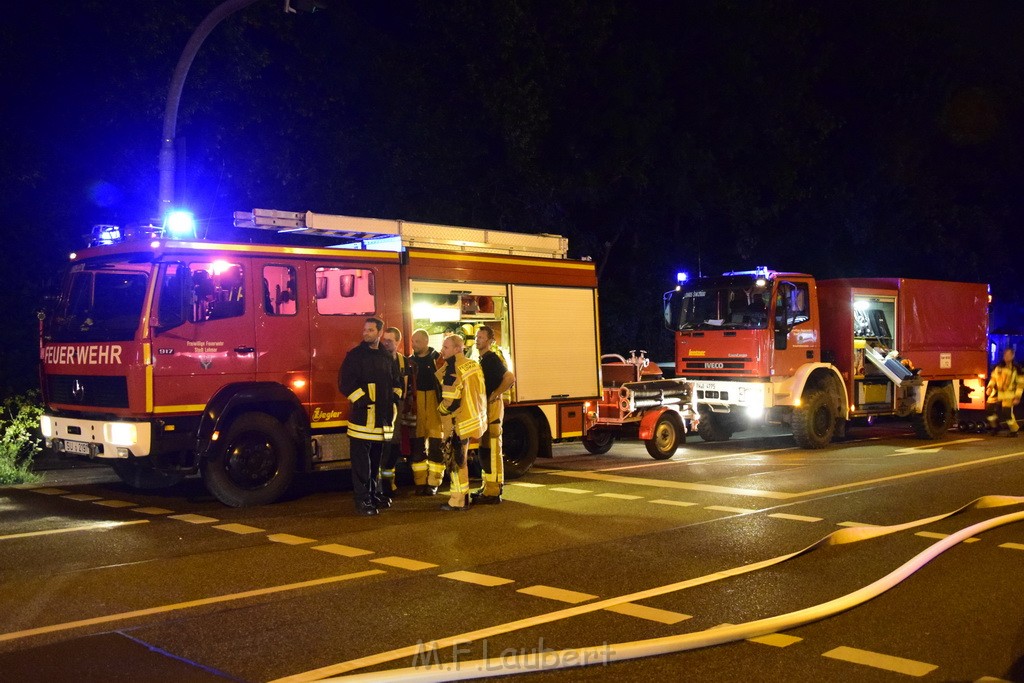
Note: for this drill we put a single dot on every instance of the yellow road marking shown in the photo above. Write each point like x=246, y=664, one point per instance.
x=935, y=534
x=725, y=508
x=49, y=491
x=560, y=594
x=14, y=635
x=67, y=530
x=239, y=528
x=194, y=519
x=1012, y=546
x=775, y=640
x=689, y=461
x=288, y=539
x=880, y=661
x=479, y=579
x=562, y=489
x=344, y=550
x=855, y=524
x=404, y=563
x=526, y=484
x=620, y=496
x=680, y=503
x=82, y=497
x=153, y=511
x=662, y=616
x=795, y=518
x=685, y=485
x=115, y=503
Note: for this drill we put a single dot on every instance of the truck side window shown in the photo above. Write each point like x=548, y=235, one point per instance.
x=218, y=290
x=280, y=290
x=345, y=291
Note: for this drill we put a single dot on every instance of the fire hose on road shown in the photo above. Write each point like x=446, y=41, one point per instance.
x=604, y=654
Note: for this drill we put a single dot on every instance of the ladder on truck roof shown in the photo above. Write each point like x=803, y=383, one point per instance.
x=365, y=232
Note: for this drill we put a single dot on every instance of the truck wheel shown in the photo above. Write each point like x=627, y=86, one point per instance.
x=520, y=441
x=713, y=427
x=256, y=464
x=598, y=443
x=936, y=417
x=141, y=474
x=666, y=438
x=814, y=422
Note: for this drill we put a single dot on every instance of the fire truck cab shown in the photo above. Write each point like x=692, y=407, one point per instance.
x=165, y=357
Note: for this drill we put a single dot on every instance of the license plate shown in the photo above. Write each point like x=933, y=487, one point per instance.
x=705, y=386
x=76, y=447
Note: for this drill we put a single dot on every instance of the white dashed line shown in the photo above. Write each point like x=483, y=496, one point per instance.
x=343, y=550
x=909, y=667
x=98, y=526
x=525, y=484
x=49, y=491
x=855, y=524
x=619, y=496
x=562, y=489
x=194, y=519
x=560, y=594
x=478, y=579
x=288, y=539
x=1012, y=546
x=776, y=640
x=404, y=563
x=153, y=511
x=82, y=497
x=934, y=534
x=680, y=503
x=115, y=503
x=239, y=528
x=794, y=518
x=662, y=616
x=723, y=508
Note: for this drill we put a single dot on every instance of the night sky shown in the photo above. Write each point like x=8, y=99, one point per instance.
x=837, y=138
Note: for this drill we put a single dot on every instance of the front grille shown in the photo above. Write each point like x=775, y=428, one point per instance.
x=88, y=390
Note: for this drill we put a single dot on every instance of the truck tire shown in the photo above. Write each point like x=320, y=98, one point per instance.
x=256, y=464
x=668, y=434
x=936, y=417
x=520, y=441
x=713, y=427
x=598, y=443
x=140, y=474
x=814, y=422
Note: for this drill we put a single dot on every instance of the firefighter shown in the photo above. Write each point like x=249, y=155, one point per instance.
x=497, y=380
x=1003, y=393
x=390, y=341
x=425, y=441
x=369, y=379
x=463, y=408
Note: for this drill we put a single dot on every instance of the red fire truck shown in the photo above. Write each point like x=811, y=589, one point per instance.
x=764, y=345
x=165, y=357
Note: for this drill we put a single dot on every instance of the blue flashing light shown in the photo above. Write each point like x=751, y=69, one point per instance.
x=104, y=234
x=682, y=277
x=180, y=224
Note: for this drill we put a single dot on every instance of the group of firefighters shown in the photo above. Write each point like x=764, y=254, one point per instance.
x=447, y=402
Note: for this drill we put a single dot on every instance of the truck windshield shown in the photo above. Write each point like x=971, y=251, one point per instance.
x=734, y=303
x=100, y=301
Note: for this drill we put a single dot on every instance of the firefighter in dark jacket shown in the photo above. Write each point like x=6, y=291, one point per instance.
x=369, y=379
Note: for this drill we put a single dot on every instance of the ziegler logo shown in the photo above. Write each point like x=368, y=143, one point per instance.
x=714, y=366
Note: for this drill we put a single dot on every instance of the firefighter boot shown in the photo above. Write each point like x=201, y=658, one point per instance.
x=380, y=497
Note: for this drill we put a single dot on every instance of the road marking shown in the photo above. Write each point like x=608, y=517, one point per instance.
x=914, y=449
x=1012, y=546
x=404, y=563
x=239, y=528
x=688, y=461
x=880, y=661
x=288, y=539
x=561, y=489
x=991, y=679
x=662, y=616
x=620, y=496
x=775, y=640
x=344, y=550
x=15, y=635
x=526, y=484
x=934, y=534
x=82, y=497
x=685, y=485
x=680, y=503
x=153, y=511
x=194, y=519
x=855, y=524
x=560, y=594
x=724, y=508
x=67, y=530
x=794, y=518
x=479, y=579
x=115, y=503
x=49, y=491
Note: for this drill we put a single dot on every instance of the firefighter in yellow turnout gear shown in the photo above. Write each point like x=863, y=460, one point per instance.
x=497, y=380
x=425, y=441
x=463, y=409
x=1003, y=393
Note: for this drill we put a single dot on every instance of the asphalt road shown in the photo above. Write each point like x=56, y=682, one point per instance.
x=617, y=553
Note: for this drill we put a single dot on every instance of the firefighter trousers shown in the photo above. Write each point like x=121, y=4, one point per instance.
x=1002, y=411
x=459, y=471
x=392, y=453
x=427, y=461
x=365, y=469
x=492, y=458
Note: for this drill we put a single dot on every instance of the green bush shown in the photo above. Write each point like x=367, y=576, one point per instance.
x=19, y=437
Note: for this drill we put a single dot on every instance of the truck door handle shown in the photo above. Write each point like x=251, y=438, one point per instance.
x=245, y=349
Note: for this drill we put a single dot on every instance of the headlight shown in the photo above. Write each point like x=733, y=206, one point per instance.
x=120, y=433
x=46, y=426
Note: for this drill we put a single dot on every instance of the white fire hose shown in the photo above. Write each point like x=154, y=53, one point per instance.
x=605, y=654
